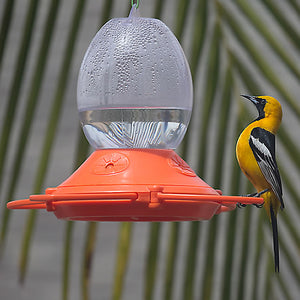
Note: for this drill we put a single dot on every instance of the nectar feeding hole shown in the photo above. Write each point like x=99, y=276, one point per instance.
x=134, y=98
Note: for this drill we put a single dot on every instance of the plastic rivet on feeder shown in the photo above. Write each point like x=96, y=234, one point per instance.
x=135, y=100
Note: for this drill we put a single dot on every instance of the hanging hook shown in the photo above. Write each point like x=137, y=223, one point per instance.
x=135, y=2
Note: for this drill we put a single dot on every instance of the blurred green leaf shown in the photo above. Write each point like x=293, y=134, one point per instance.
x=51, y=130
x=16, y=83
x=171, y=260
x=159, y=6
x=222, y=129
x=82, y=151
x=5, y=25
x=257, y=58
x=222, y=40
x=67, y=259
x=182, y=10
x=31, y=107
x=122, y=259
x=88, y=253
x=283, y=22
x=152, y=260
x=211, y=84
x=259, y=23
x=190, y=261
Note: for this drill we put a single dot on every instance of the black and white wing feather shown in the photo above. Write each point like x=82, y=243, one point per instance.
x=262, y=143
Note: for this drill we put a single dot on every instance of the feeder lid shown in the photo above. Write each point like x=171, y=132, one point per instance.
x=134, y=62
x=133, y=185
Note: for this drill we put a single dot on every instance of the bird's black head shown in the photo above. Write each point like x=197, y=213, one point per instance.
x=259, y=103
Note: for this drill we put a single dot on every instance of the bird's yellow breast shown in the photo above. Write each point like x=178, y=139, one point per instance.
x=251, y=169
x=248, y=162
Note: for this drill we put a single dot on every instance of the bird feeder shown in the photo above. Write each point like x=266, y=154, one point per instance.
x=134, y=99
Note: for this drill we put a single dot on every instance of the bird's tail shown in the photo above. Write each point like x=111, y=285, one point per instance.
x=275, y=238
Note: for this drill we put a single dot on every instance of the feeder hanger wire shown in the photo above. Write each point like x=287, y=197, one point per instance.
x=135, y=2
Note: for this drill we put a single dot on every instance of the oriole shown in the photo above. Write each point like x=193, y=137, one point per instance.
x=255, y=151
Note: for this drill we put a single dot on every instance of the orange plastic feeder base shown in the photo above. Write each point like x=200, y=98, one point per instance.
x=133, y=185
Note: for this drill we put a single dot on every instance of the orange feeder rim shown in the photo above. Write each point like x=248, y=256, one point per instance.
x=133, y=185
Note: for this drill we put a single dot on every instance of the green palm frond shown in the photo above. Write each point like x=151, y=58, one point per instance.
x=234, y=47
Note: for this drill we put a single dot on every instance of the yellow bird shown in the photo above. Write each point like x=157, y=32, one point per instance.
x=255, y=152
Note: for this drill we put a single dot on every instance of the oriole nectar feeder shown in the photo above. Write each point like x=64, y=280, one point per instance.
x=135, y=100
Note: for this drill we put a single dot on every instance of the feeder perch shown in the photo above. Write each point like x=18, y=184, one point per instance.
x=135, y=100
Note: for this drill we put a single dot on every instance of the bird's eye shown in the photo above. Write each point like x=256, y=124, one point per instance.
x=263, y=101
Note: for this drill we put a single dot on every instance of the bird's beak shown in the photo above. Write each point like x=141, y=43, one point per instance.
x=253, y=99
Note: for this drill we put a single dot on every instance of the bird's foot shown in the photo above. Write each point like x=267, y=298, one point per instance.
x=256, y=194
x=260, y=193
x=251, y=195
x=259, y=205
x=241, y=205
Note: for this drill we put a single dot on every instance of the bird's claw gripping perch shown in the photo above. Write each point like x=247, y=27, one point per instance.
x=241, y=205
x=260, y=193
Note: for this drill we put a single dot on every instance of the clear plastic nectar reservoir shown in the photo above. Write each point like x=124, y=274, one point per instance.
x=134, y=86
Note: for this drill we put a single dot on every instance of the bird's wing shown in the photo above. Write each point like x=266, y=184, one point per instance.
x=262, y=143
